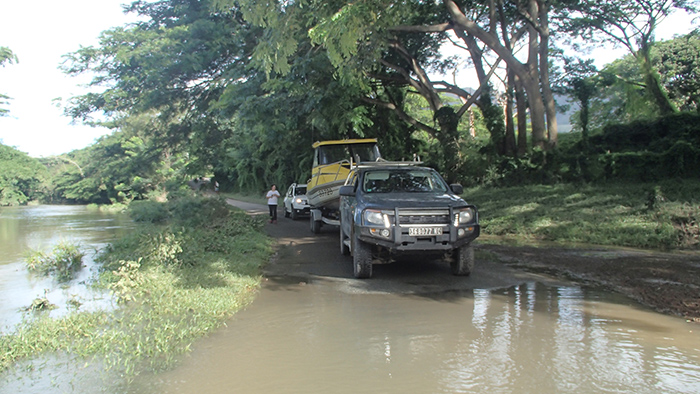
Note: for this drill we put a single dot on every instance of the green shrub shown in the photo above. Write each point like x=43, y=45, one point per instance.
x=62, y=262
x=148, y=211
x=175, y=284
x=194, y=211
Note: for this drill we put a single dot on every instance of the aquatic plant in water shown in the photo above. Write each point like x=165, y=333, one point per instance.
x=64, y=260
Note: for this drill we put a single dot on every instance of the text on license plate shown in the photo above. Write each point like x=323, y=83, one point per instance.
x=417, y=231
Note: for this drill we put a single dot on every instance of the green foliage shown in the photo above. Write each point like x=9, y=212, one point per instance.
x=130, y=164
x=22, y=178
x=665, y=148
x=64, y=260
x=41, y=304
x=148, y=211
x=607, y=214
x=6, y=56
x=679, y=66
x=165, y=307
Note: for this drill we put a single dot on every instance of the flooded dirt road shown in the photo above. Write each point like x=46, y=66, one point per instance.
x=415, y=328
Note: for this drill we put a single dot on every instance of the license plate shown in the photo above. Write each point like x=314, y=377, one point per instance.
x=419, y=231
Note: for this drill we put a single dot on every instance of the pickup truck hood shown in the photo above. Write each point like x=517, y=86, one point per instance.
x=410, y=200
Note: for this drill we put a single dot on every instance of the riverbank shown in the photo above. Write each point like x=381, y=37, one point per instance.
x=658, y=216
x=582, y=232
x=176, y=277
x=666, y=282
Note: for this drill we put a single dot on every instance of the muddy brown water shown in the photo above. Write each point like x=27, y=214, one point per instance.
x=414, y=328
x=40, y=228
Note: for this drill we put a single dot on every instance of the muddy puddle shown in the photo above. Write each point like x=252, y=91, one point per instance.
x=304, y=337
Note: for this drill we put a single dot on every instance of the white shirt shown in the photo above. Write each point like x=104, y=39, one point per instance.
x=272, y=197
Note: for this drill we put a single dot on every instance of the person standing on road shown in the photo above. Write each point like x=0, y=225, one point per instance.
x=272, y=196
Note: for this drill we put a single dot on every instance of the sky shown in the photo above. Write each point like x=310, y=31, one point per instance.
x=41, y=32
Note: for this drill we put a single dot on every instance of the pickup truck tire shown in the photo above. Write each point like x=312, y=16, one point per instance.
x=462, y=261
x=286, y=212
x=344, y=249
x=361, y=259
x=295, y=214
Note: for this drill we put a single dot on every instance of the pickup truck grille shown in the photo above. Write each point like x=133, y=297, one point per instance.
x=433, y=216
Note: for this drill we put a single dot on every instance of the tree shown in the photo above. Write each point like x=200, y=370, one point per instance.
x=679, y=67
x=21, y=177
x=397, y=44
x=631, y=24
x=578, y=81
x=6, y=56
x=129, y=164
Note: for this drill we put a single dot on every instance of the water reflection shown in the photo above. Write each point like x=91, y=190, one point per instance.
x=40, y=228
x=528, y=339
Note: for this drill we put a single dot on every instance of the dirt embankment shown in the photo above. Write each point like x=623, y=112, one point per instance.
x=667, y=282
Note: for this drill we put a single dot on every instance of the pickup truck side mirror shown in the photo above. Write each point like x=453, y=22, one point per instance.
x=457, y=188
x=348, y=191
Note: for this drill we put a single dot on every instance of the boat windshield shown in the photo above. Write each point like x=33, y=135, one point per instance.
x=328, y=154
x=403, y=181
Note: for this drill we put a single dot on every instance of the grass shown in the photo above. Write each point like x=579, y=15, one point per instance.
x=654, y=216
x=174, y=283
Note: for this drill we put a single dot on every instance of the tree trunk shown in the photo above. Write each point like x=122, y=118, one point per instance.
x=448, y=136
x=550, y=104
x=521, y=105
x=510, y=147
x=532, y=85
x=652, y=83
x=528, y=74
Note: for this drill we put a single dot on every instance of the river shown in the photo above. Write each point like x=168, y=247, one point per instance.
x=414, y=328
x=40, y=228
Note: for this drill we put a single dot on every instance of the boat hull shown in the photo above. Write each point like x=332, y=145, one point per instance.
x=325, y=195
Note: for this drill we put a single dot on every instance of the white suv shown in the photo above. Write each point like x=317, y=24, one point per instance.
x=295, y=202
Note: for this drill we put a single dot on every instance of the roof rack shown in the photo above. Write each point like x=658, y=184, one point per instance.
x=386, y=163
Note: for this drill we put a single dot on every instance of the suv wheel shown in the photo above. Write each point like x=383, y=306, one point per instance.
x=462, y=260
x=361, y=259
x=295, y=215
x=286, y=213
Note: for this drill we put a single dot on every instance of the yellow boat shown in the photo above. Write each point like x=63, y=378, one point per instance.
x=332, y=163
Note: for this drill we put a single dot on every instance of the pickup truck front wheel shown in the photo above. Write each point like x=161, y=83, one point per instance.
x=462, y=260
x=361, y=259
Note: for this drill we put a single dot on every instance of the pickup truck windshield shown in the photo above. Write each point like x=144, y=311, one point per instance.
x=403, y=181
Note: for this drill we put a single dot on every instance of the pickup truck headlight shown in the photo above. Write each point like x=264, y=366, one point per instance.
x=464, y=216
x=376, y=218
x=299, y=201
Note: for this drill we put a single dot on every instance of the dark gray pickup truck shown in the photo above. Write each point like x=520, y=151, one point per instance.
x=389, y=209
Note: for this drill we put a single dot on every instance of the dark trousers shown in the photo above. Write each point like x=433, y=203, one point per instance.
x=273, y=212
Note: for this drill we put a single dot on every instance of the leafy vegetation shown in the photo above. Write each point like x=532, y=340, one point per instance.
x=64, y=260
x=6, y=56
x=646, y=215
x=238, y=91
x=22, y=178
x=174, y=282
